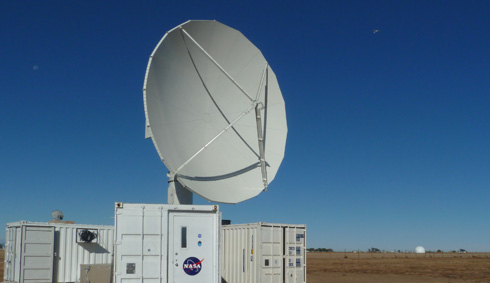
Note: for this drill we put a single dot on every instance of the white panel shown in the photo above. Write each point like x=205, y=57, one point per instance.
x=193, y=247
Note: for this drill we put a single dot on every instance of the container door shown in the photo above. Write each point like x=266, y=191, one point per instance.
x=37, y=254
x=12, y=254
x=193, y=247
x=140, y=244
x=271, y=254
x=295, y=246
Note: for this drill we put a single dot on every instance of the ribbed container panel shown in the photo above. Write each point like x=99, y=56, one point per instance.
x=72, y=254
x=263, y=252
x=68, y=253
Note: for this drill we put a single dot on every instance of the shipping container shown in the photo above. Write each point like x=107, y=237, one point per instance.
x=263, y=252
x=157, y=243
x=53, y=252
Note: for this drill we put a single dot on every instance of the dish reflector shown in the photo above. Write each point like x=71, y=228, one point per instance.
x=214, y=111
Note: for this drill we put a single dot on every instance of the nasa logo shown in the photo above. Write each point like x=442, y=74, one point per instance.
x=192, y=265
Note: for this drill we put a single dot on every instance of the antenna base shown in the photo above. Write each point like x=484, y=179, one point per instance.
x=178, y=194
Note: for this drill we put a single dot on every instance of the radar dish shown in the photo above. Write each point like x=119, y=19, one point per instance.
x=420, y=250
x=57, y=215
x=214, y=111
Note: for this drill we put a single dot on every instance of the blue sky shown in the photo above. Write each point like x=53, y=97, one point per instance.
x=389, y=132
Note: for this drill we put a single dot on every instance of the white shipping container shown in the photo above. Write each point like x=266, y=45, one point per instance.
x=157, y=243
x=53, y=252
x=263, y=252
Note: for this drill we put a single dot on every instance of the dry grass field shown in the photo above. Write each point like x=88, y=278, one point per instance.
x=393, y=267
x=390, y=267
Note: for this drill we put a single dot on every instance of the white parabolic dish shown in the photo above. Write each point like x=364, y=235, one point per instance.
x=215, y=111
x=420, y=250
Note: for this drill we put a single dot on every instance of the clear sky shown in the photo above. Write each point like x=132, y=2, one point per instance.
x=388, y=108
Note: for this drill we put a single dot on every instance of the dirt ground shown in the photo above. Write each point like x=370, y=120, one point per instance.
x=398, y=267
x=390, y=267
x=2, y=257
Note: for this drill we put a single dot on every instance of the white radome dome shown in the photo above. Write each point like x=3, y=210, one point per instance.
x=420, y=250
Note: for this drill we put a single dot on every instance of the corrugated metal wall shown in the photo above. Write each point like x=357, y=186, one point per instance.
x=68, y=254
x=264, y=252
